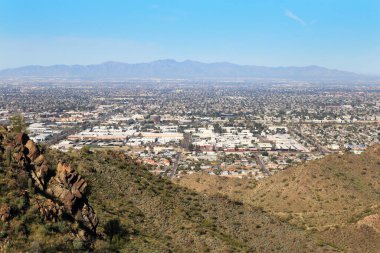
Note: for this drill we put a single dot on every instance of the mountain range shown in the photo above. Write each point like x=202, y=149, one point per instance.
x=186, y=69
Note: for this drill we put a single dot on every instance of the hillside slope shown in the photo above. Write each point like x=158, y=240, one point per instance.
x=332, y=191
x=336, y=198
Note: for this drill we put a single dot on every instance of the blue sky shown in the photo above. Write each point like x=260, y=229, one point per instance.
x=342, y=34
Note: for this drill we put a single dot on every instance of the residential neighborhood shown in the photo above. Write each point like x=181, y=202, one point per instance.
x=179, y=127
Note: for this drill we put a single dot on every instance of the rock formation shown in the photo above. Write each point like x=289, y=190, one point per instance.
x=29, y=157
x=372, y=221
x=66, y=188
x=50, y=210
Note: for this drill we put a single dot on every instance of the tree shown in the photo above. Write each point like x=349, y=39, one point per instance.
x=85, y=150
x=218, y=171
x=197, y=167
x=218, y=129
x=288, y=160
x=18, y=123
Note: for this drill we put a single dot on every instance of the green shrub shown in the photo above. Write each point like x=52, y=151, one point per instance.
x=78, y=244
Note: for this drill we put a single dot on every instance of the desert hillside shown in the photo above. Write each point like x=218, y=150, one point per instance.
x=336, y=198
x=327, y=192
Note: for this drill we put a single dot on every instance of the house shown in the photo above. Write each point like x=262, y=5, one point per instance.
x=41, y=137
x=265, y=146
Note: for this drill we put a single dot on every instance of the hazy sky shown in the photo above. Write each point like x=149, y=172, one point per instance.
x=343, y=34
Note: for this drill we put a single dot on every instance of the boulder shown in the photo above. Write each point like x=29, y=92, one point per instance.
x=87, y=216
x=42, y=171
x=372, y=221
x=33, y=150
x=64, y=172
x=50, y=210
x=39, y=160
x=21, y=139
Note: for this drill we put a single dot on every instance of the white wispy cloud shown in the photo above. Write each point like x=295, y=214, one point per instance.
x=293, y=16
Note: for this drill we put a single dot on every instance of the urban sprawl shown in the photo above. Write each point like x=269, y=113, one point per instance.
x=176, y=127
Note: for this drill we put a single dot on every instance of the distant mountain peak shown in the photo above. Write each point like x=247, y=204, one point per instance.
x=165, y=61
x=109, y=63
x=169, y=68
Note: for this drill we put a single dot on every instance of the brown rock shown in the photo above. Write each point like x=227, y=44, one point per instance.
x=56, y=191
x=82, y=235
x=34, y=152
x=42, y=171
x=17, y=156
x=63, y=172
x=67, y=185
x=39, y=160
x=21, y=139
x=372, y=221
x=68, y=200
x=87, y=216
x=79, y=185
x=50, y=210
x=5, y=212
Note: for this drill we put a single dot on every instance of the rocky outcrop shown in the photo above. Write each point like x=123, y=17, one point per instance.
x=69, y=187
x=49, y=209
x=29, y=156
x=65, y=187
x=372, y=221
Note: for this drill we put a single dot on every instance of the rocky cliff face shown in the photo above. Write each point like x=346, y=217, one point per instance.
x=59, y=192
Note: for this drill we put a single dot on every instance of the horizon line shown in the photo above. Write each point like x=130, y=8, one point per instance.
x=183, y=61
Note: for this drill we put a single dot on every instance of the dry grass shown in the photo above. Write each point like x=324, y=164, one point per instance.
x=326, y=197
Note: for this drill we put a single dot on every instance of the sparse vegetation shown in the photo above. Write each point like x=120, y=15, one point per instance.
x=328, y=197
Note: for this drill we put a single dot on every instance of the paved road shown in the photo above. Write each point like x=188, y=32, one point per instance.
x=311, y=140
x=262, y=165
x=73, y=130
x=187, y=140
x=175, y=164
